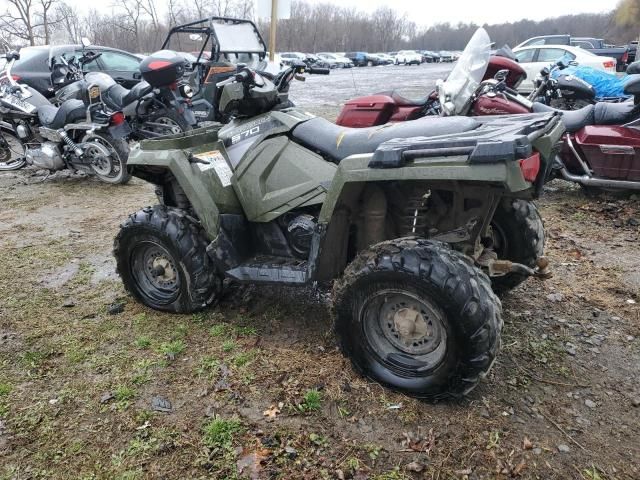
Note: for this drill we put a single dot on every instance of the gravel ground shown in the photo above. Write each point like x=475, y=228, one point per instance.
x=93, y=385
x=324, y=95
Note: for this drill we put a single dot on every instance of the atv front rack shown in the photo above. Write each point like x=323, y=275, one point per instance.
x=498, y=139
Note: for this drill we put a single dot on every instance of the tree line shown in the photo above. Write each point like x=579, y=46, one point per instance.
x=141, y=26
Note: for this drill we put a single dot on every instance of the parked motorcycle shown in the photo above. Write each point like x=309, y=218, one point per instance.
x=158, y=105
x=400, y=217
x=601, y=149
x=73, y=135
x=567, y=86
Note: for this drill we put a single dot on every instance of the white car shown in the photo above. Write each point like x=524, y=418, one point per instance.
x=534, y=58
x=335, y=60
x=407, y=57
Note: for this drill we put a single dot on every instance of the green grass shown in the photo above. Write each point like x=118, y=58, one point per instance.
x=5, y=389
x=220, y=432
x=173, y=349
x=142, y=342
x=228, y=346
x=311, y=402
x=219, y=330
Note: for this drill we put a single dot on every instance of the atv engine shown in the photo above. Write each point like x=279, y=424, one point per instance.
x=45, y=156
x=299, y=231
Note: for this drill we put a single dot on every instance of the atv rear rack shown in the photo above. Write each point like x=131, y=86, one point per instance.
x=498, y=139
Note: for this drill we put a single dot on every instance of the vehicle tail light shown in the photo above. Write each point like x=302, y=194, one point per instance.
x=16, y=78
x=117, y=119
x=609, y=64
x=530, y=167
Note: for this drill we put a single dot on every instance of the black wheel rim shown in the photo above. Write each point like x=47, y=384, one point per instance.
x=155, y=272
x=406, y=333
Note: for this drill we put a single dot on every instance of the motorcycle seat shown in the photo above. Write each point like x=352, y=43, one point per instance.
x=402, y=101
x=613, y=113
x=335, y=142
x=57, y=117
x=632, y=83
x=119, y=97
x=573, y=120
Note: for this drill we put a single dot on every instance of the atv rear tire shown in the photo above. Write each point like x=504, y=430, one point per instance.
x=418, y=317
x=162, y=259
x=518, y=235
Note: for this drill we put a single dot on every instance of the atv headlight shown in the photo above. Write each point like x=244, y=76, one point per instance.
x=186, y=91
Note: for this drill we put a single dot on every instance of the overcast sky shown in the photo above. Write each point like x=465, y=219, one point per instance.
x=428, y=12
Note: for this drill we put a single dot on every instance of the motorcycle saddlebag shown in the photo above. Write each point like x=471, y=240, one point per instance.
x=366, y=111
x=612, y=151
x=162, y=68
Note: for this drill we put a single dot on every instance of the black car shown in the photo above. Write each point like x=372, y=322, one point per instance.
x=363, y=59
x=33, y=68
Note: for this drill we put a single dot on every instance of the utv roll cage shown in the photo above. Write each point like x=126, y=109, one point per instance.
x=227, y=35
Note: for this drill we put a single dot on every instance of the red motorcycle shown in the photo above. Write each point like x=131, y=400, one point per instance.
x=601, y=149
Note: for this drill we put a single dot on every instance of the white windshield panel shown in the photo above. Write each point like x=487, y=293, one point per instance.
x=465, y=77
x=239, y=37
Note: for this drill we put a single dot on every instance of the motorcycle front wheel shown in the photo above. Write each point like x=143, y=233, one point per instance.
x=108, y=157
x=11, y=152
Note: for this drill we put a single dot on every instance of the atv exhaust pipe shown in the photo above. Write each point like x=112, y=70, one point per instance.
x=599, y=182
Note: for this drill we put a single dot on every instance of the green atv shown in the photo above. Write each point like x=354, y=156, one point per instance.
x=414, y=222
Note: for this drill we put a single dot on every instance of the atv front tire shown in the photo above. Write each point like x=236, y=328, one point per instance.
x=162, y=259
x=518, y=235
x=418, y=317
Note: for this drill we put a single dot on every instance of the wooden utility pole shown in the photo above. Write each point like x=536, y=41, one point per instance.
x=272, y=32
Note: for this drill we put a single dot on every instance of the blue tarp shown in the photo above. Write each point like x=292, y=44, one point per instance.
x=606, y=84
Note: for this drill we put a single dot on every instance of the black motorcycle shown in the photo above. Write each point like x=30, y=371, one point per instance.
x=74, y=135
x=158, y=105
x=565, y=92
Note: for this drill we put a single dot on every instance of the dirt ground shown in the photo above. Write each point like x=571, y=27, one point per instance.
x=93, y=385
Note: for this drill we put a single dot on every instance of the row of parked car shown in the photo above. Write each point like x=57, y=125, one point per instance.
x=365, y=59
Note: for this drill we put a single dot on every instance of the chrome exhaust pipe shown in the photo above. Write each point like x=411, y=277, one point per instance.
x=599, y=182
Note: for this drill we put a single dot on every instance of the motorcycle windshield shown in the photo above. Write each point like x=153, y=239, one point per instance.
x=465, y=77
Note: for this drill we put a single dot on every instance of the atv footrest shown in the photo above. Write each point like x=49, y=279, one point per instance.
x=271, y=269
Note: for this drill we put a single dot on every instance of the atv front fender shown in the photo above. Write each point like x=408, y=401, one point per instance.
x=166, y=159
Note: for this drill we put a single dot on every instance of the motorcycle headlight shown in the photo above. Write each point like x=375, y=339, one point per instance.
x=186, y=91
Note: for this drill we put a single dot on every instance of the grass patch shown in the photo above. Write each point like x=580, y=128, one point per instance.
x=244, y=358
x=228, y=346
x=220, y=432
x=208, y=367
x=123, y=395
x=219, y=330
x=173, y=349
x=142, y=342
x=311, y=402
x=5, y=389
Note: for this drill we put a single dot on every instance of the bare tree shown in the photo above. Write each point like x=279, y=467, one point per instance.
x=70, y=22
x=19, y=20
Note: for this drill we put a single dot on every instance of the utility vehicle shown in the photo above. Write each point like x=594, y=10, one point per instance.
x=413, y=222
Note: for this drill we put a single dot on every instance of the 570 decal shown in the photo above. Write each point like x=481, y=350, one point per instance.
x=250, y=130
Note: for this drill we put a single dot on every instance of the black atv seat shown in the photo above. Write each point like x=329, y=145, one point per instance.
x=57, y=117
x=338, y=142
x=119, y=97
x=404, y=101
x=602, y=113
